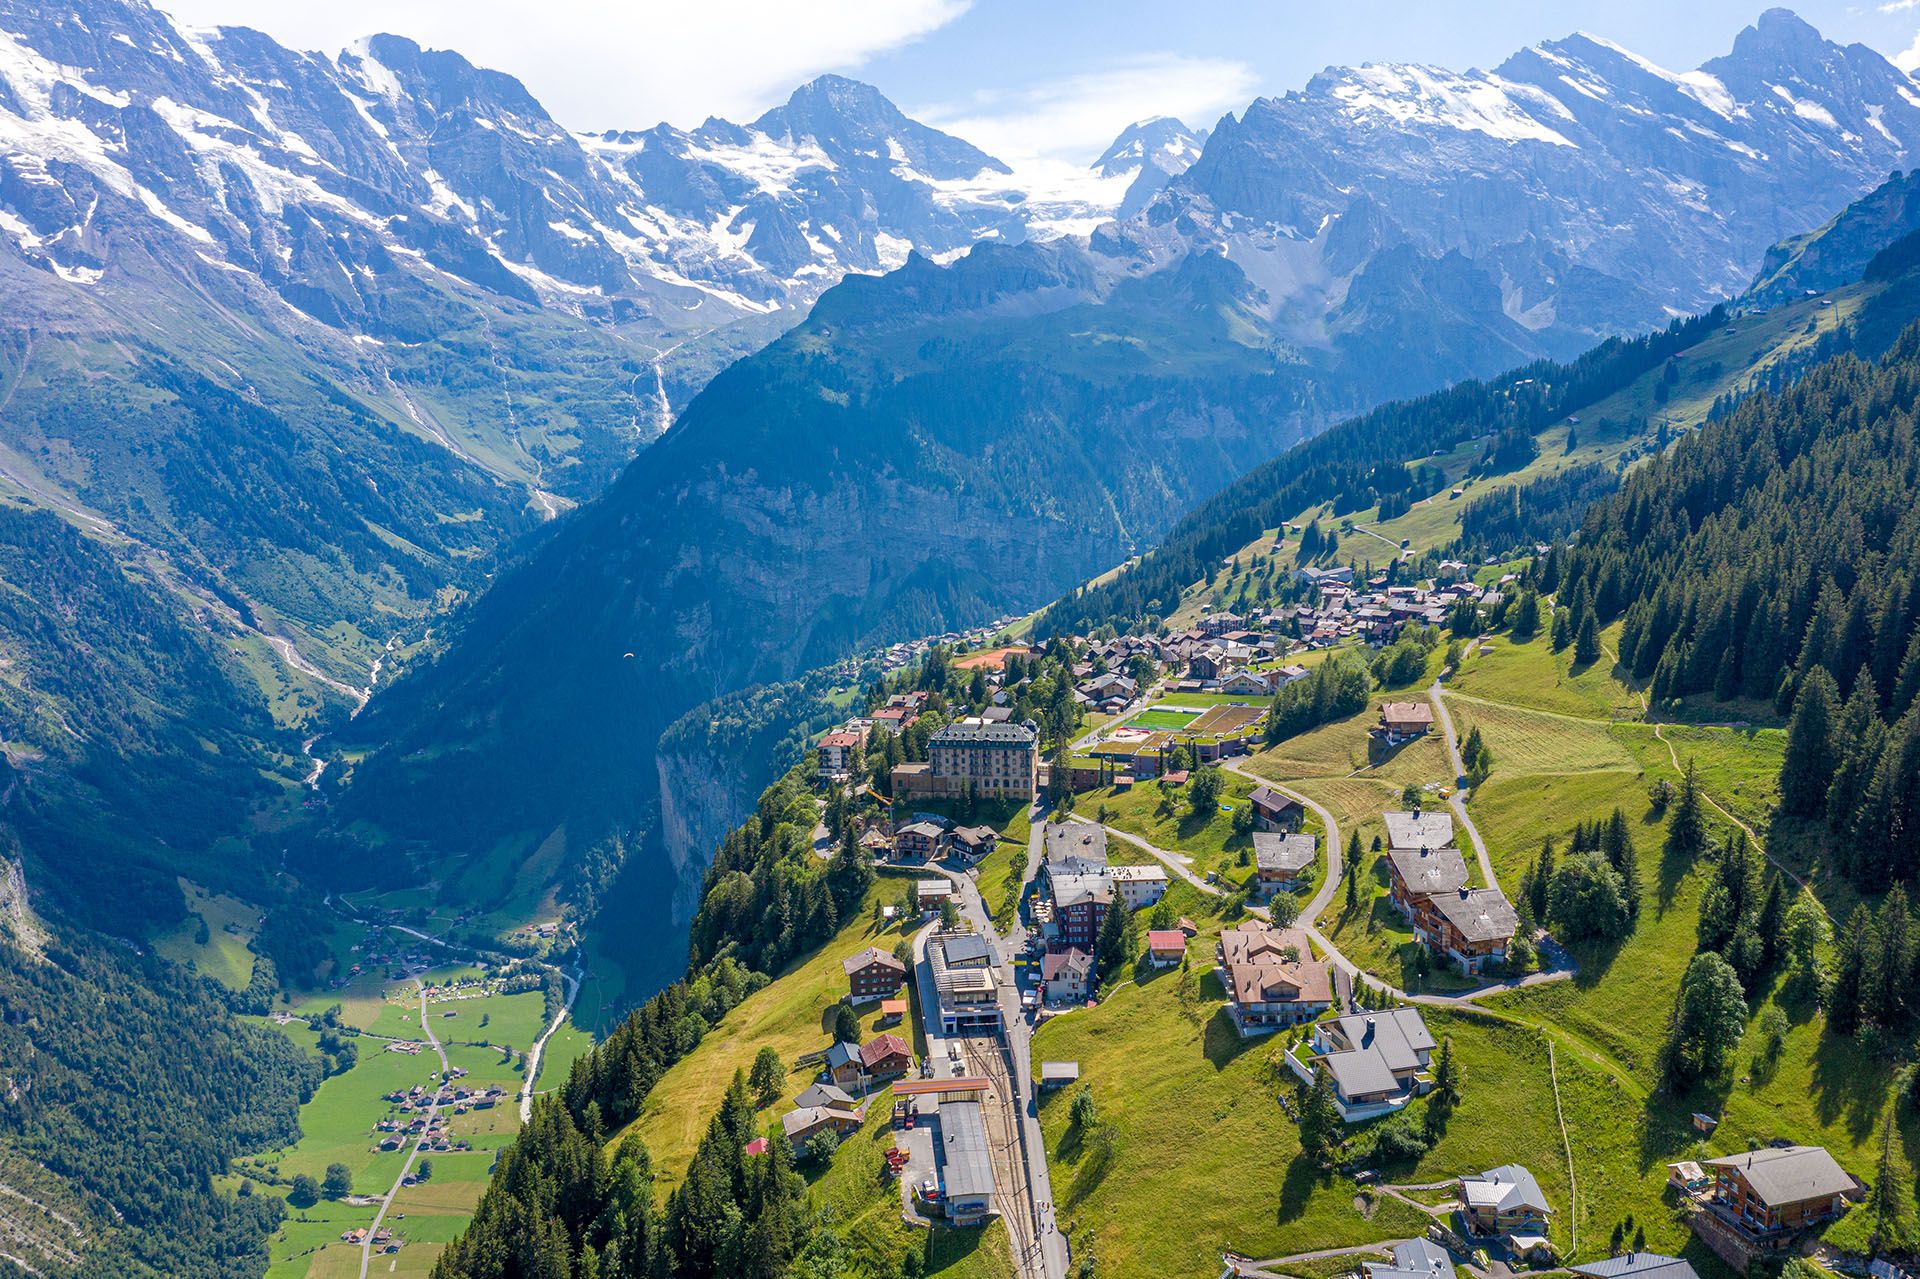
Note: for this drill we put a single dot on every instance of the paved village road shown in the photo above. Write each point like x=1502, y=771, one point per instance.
x=1310, y=917
x=366, y=1245
x=1456, y=799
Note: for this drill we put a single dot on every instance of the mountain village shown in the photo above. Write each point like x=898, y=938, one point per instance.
x=967, y=1144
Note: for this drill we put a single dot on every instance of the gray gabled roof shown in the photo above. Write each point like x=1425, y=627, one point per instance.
x=1285, y=854
x=842, y=1053
x=1637, y=1265
x=1360, y=1073
x=1482, y=914
x=1789, y=1174
x=825, y=1096
x=1398, y=1035
x=796, y=1122
x=1414, y=1259
x=1507, y=1187
x=1428, y=872
x=1419, y=830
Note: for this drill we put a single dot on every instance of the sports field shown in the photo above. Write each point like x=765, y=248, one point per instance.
x=1167, y=718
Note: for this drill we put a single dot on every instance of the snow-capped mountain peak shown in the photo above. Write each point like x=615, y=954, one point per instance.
x=1149, y=153
x=311, y=172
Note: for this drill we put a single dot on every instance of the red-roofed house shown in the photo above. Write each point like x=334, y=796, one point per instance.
x=758, y=1146
x=886, y=1057
x=1166, y=946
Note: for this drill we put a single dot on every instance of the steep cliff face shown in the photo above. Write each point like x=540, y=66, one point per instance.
x=881, y=472
x=702, y=797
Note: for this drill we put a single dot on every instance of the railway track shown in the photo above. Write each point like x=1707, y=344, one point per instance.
x=986, y=1057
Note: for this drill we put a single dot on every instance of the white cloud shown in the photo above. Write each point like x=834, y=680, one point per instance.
x=1899, y=6
x=1908, y=60
x=1076, y=117
x=596, y=64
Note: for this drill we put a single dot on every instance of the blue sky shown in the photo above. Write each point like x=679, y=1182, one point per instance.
x=1022, y=78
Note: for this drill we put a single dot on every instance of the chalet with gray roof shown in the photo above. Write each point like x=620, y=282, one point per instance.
x=1637, y=1265
x=1779, y=1189
x=1474, y=927
x=1504, y=1201
x=1281, y=861
x=1419, y=830
x=1419, y=875
x=1378, y=1060
x=1414, y=1259
x=1273, y=811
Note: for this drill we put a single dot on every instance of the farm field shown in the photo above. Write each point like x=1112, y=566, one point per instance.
x=337, y=1123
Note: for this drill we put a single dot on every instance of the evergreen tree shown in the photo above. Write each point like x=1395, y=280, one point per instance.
x=1320, y=1122
x=1541, y=884
x=1586, y=643
x=1708, y=1019
x=769, y=1074
x=1844, y=995
x=846, y=1024
x=1804, y=931
x=1889, y=1191
x=1772, y=920
x=1525, y=617
x=1889, y=960
x=1110, y=950
x=1616, y=841
x=1687, y=828
x=1807, y=769
x=1351, y=869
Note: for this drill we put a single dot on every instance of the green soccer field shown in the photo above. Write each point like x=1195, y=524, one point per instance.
x=1163, y=719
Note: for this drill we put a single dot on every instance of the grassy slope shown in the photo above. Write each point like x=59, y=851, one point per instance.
x=793, y=1015
x=226, y=955
x=1200, y=1157
x=1729, y=360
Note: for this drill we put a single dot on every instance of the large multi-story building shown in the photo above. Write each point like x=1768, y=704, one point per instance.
x=839, y=751
x=992, y=759
x=1079, y=883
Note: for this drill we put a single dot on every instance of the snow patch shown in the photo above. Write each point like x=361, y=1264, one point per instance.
x=769, y=165
x=1806, y=110
x=1435, y=97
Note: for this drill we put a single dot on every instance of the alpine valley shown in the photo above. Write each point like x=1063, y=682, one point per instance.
x=434, y=538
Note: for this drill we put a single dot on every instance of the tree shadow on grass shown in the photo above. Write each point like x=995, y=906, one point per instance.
x=1674, y=867
x=1849, y=1085
x=1666, y=1131
x=1594, y=956
x=1296, y=1190
x=1222, y=1043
